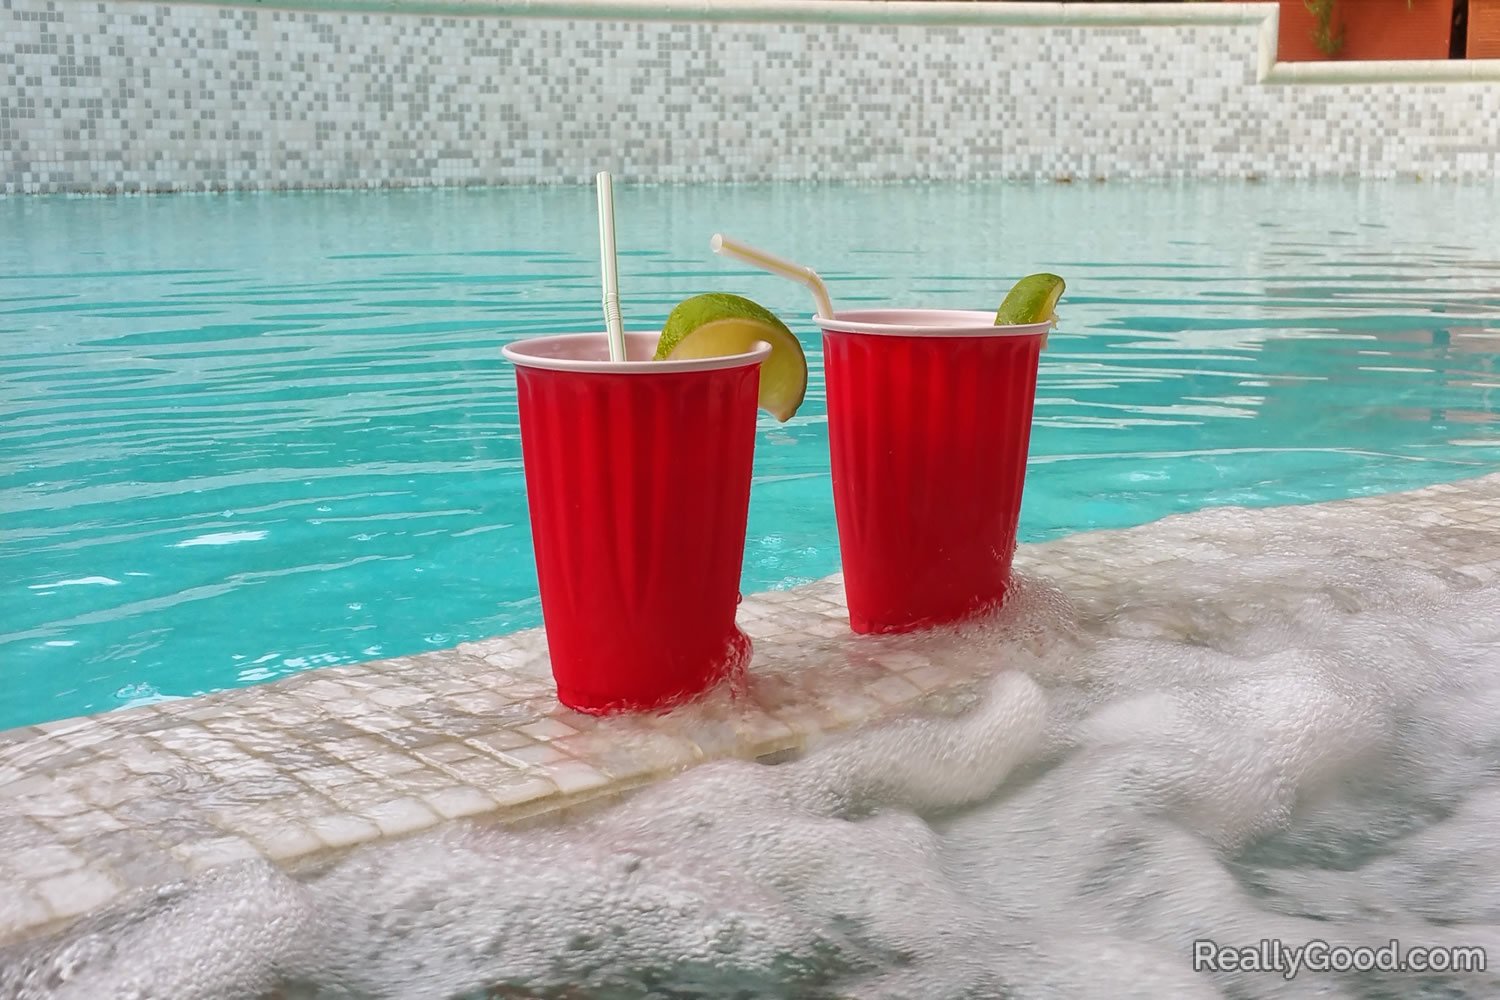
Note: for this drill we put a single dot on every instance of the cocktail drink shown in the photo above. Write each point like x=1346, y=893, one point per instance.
x=929, y=425
x=638, y=449
x=638, y=486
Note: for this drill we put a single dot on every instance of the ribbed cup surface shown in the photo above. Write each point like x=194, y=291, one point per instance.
x=929, y=439
x=639, y=489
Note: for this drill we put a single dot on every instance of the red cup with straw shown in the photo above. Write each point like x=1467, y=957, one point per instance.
x=638, y=486
x=929, y=428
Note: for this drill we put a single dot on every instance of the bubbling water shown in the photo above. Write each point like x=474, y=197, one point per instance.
x=1287, y=731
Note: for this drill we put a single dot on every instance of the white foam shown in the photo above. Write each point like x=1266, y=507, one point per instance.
x=1283, y=727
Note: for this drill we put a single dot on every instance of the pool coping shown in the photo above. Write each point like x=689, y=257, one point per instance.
x=932, y=13
x=304, y=769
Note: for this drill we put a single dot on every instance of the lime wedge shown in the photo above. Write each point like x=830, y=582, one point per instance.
x=716, y=323
x=1033, y=299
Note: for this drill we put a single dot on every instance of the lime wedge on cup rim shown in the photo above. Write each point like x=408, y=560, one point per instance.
x=716, y=324
x=1033, y=299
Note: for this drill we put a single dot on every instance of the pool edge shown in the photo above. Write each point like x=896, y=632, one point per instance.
x=302, y=770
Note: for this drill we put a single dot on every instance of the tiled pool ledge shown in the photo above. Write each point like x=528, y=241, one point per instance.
x=304, y=768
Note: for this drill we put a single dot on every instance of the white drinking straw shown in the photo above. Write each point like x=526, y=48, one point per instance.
x=612, y=322
x=722, y=244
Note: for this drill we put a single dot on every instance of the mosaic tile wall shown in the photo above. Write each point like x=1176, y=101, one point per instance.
x=119, y=96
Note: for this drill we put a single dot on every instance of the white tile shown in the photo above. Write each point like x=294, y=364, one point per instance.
x=55, y=802
x=459, y=802
x=573, y=776
x=932, y=678
x=894, y=690
x=400, y=816
x=532, y=755
x=205, y=854
x=77, y=892
x=522, y=792
x=547, y=729
x=21, y=910
x=43, y=860
x=289, y=841
x=343, y=830
x=902, y=660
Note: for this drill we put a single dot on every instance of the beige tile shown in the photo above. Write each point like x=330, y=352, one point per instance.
x=400, y=816
x=932, y=678
x=486, y=772
x=534, y=754
x=152, y=868
x=108, y=794
x=81, y=826
x=572, y=776
x=459, y=802
x=357, y=748
x=902, y=660
x=289, y=841
x=343, y=830
x=758, y=730
x=481, y=703
x=499, y=742
x=380, y=722
x=625, y=755
x=416, y=782
x=521, y=792
x=17, y=786
x=398, y=697
x=205, y=854
x=852, y=708
x=326, y=778
x=827, y=628
x=52, y=803
x=20, y=910
x=361, y=797
x=547, y=729
x=444, y=753
x=77, y=892
x=389, y=765
x=44, y=860
x=895, y=690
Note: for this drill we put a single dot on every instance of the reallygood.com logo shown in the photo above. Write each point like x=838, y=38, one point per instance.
x=1271, y=955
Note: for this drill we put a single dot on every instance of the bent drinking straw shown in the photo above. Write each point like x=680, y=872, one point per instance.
x=722, y=244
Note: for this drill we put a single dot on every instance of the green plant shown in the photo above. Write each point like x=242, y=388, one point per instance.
x=1328, y=40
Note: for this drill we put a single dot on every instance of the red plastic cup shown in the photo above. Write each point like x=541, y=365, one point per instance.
x=638, y=484
x=929, y=423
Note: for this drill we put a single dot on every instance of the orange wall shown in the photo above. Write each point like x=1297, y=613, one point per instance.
x=1484, y=29
x=1373, y=29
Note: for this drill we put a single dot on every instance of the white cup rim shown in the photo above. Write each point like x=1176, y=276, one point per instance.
x=925, y=323
x=589, y=352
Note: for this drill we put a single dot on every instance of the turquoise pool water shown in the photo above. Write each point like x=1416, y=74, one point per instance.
x=246, y=436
